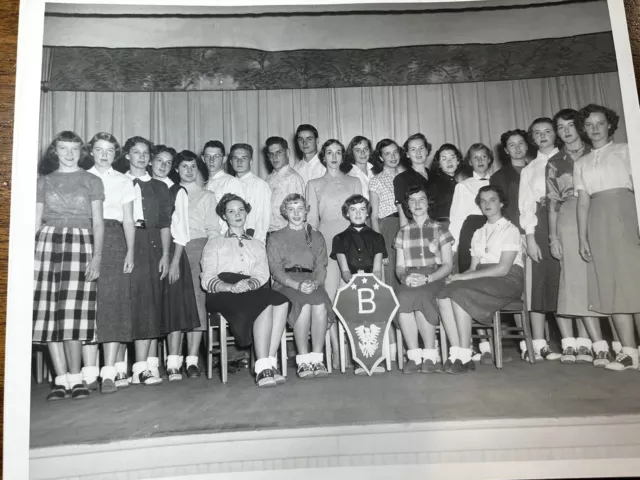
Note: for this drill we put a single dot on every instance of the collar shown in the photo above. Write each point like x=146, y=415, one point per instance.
x=144, y=178
x=283, y=171
x=244, y=236
x=364, y=228
x=478, y=177
x=547, y=157
x=167, y=181
x=95, y=171
x=220, y=173
x=503, y=221
x=248, y=175
x=603, y=147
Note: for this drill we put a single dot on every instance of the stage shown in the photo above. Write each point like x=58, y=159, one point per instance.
x=190, y=426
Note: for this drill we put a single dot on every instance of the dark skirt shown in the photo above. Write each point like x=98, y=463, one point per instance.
x=614, y=272
x=194, y=253
x=545, y=274
x=389, y=227
x=482, y=297
x=180, y=312
x=147, y=299
x=114, y=288
x=64, y=303
x=469, y=227
x=241, y=310
x=299, y=299
x=421, y=299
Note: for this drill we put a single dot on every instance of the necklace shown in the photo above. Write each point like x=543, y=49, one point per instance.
x=576, y=151
x=488, y=238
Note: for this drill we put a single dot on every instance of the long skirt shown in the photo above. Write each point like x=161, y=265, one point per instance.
x=147, y=299
x=482, y=297
x=194, y=253
x=389, y=227
x=180, y=311
x=421, y=299
x=573, y=298
x=469, y=227
x=64, y=303
x=242, y=309
x=545, y=274
x=614, y=273
x=114, y=288
x=299, y=299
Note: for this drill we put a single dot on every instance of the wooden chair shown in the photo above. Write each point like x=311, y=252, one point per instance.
x=444, y=349
x=226, y=340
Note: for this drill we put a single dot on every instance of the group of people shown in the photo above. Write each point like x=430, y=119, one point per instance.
x=137, y=243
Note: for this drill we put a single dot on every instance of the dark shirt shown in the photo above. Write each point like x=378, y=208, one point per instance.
x=360, y=248
x=410, y=178
x=445, y=186
x=508, y=179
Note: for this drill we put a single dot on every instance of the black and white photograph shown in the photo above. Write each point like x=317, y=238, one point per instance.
x=366, y=240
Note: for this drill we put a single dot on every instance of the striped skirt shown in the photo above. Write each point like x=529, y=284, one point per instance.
x=64, y=304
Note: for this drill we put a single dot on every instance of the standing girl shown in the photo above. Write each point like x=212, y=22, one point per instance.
x=68, y=251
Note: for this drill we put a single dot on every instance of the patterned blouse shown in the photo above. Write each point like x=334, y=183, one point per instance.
x=382, y=185
x=422, y=244
x=559, y=175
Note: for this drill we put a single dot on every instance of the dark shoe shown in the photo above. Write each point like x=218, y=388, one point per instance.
x=122, y=380
x=428, y=366
x=319, y=370
x=193, y=371
x=568, y=356
x=622, y=362
x=584, y=355
x=305, y=370
x=108, y=386
x=486, y=358
x=280, y=379
x=147, y=378
x=265, y=379
x=58, y=393
x=243, y=363
x=447, y=366
x=439, y=367
x=459, y=367
x=602, y=359
x=411, y=367
x=79, y=392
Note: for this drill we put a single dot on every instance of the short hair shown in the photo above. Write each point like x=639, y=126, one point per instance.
x=50, y=161
x=431, y=204
x=536, y=122
x=612, y=117
x=157, y=150
x=189, y=156
x=376, y=156
x=214, y=144
x=239, y=146
x=504, y=138
x=355, y=200
x=88, y=161
x=221, y=207
x=349, y=157
x=435, y=168
x=292, y=198
x=122, y=164
x=417, y=136
x=501, y=195
x=569, y=114
x=277, y=141
x=305, y=127
x=324, y=147
x=475, y=148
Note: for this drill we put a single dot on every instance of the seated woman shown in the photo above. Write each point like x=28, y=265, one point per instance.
x=298, y=261
x=424, y=259
x=494, y=280
x=234, y=270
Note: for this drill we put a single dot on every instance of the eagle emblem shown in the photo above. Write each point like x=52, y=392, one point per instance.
x=368, y=339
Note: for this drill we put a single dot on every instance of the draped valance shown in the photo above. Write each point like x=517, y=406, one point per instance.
x=217, y=68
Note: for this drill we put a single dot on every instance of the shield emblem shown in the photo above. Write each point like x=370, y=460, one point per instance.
x=365, y=307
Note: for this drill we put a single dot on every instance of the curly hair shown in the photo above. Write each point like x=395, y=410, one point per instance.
x=504, y=138
x=122, y=164
x=476, y=147
x=157, y=150
x=221, y=208
x=501, y=195
x=376, y=158
x=50, y=161
x=189, y=156
x=431, y=203
x=349, y=158
x=355, y=200
x=612, y=117
x=416, y=136
x=435, y=168
x=536, y=122
x=325, y=145
x=292, y=198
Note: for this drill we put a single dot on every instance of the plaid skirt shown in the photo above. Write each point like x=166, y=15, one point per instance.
x=64, y=304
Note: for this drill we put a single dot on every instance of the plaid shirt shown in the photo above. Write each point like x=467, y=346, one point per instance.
x=422, y=244
x=382, y=185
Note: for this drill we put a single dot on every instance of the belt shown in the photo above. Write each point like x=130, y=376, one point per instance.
x=361, y=270
x=298, y=269
x=141, y=224
x=393, y=215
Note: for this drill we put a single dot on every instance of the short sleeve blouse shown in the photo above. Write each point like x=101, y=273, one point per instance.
x=422, y=244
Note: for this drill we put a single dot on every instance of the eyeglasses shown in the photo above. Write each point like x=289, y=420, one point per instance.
x=212, y=157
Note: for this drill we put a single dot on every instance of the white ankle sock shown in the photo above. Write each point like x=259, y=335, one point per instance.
x=616, y=347
x=600, y=346
x=485, y=347
x=274, y=362
x=90, y=374
x=539, y=344
x=584, y=342
x=74, y=379
x=568, y=342
x=153, y=362
x=262, y=364
x=415, y=355
x=139, y=367
x=464, y=354
x=192, y=360
x=121, y=367
x=430, y=354
x=62, y=381
x=304, y=358
x=174, y=362
x=315, y=357
x=108, y=373
x=453, y=353
x=633, y=353
x=523, y=346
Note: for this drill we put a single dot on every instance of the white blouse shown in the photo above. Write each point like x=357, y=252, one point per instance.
x=606, y=168
x=491, y=240
x=180, y=217
x=533, y=189
x=118, y=191
x=364, y=179
x=464, y=203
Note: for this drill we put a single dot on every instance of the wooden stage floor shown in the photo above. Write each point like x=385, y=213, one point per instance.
x=519, y=391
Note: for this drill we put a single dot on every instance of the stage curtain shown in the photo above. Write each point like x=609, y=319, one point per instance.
x=461, y=113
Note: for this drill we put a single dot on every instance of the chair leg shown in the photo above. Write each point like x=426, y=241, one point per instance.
x=209, y=348
x=223, y=349
x=341, y=348
x=283, y=353
x=497, y=334
x=327, y=347
x=387, y=352
x=528, y=338
x=400, y=346
x=444, y=348
x=39, y=366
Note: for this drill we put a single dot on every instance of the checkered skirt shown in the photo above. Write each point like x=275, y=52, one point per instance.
x=64, y=304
